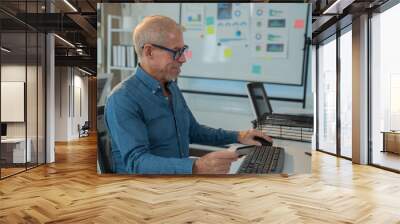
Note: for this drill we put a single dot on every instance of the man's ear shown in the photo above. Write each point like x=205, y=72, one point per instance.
x=147, y=51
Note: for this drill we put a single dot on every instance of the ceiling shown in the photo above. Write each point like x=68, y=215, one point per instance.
x=72, y=20
x=328, y=15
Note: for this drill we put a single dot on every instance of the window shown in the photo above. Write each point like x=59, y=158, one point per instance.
x=346, y=93
x=385, y=87
x=327, y=96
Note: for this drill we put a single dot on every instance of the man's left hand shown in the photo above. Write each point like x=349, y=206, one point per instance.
x=246, y=137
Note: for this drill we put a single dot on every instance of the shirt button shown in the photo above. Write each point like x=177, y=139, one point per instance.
x=154, y=92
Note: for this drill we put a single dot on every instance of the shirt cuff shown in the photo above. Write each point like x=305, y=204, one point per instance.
x=232, y=136
x=187, y=166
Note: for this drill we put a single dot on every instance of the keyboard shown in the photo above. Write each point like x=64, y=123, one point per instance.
x=263, y=159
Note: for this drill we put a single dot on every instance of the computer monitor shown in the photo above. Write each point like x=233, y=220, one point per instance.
x=3, y=129
x=259, y=99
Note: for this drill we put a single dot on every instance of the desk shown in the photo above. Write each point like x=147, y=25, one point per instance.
x=391, y=141
x=13, y=150
x=297, y=156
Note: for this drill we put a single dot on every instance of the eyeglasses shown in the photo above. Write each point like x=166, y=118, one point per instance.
x=176, y=54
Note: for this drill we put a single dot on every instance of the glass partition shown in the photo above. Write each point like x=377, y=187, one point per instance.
x=13, y=95
x=22, y=88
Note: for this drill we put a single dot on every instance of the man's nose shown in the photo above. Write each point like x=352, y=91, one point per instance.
x=182, y=58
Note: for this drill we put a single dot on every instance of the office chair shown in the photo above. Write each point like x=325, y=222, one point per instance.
x=104, y=154
x=84, y=129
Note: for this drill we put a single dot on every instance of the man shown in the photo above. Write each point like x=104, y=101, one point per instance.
x=149, y=122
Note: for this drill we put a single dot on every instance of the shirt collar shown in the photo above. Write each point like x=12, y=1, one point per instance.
x=148, y=80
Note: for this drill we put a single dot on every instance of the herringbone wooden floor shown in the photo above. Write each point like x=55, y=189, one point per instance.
x=70, y=191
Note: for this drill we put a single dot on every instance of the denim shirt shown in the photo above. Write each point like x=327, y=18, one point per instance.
x=151, y=133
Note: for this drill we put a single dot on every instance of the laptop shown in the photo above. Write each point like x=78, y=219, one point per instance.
x=263, y=111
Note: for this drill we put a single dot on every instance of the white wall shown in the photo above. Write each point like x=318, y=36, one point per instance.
x=33, y=125
x=17, y=73
x=61, y=103
x=14, y=73
x=80, y=102
x=71, y=93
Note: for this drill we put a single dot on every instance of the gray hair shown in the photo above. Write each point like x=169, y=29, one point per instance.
x=153, y=29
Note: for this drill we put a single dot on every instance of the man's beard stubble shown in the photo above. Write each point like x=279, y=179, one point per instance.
x=171, y=76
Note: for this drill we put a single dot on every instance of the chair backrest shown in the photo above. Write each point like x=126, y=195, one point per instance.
x=86, y=125
x=104, y=154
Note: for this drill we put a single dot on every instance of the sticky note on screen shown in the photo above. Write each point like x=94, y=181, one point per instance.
x=209, y=21
x=228, y=52
x=256, y=69
x=210, y=30
x=299, y=23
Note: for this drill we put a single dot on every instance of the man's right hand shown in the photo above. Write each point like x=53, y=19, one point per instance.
x=217, y=162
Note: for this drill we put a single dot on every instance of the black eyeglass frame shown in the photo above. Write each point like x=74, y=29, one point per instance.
x=176, y=54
